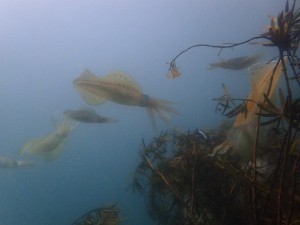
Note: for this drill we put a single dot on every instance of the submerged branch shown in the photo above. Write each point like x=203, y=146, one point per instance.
x=221, y=47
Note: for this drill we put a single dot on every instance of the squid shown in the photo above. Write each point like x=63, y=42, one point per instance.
x=241, y=137
x=6, y=162
x=87, y=115
x=52, y=145
x=121, y=88
x=238, y=63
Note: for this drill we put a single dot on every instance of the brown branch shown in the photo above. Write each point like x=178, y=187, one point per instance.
x=163, y=177
x=286, y=145
x=229, y=45
x=193, y=179
x=295, y=169
x=255, y=167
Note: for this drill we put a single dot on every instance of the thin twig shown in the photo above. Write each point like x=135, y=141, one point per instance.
x=216, y=46
x=163, y=177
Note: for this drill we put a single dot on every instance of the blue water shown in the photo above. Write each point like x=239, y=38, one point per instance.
x=45, y=45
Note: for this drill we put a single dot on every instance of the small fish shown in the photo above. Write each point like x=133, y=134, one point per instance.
x=87, y=116
x=238, y=63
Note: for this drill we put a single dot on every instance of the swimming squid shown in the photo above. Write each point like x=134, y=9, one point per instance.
x=121, y=88
x=11, y=163
x=52, y=145
x=241, y=137
x=87, y=115
x=238, y=63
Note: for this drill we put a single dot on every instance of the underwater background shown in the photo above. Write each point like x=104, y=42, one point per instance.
x=45, y=45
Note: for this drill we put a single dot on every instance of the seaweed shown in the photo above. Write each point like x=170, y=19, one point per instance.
x=182, y=184
x=101, y=216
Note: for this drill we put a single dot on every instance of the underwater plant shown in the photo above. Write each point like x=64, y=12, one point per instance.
x=184, y=184
x=101, y=216
x=173, y=71
x=181, y=184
